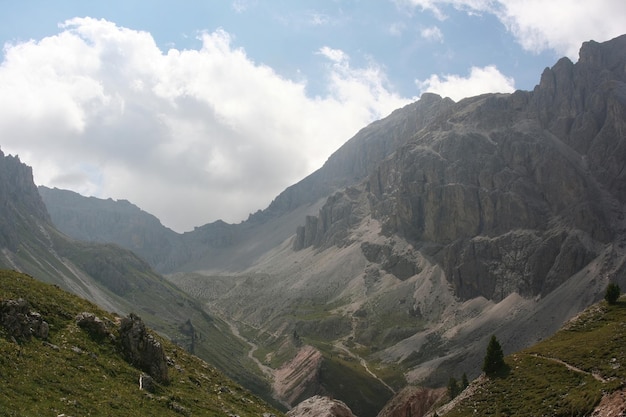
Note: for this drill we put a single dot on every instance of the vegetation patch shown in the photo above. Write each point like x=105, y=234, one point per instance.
x=70, y=372
x=565, y=375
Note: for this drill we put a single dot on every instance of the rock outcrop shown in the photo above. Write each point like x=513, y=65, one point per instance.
x=21, y=322
x=141, y=349
x=318, y=406
x=413, y=402
x=298, y=378
x=93, y=325
x=21, y=209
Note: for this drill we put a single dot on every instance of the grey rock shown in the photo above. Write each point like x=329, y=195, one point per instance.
x=142, y=349
x=93, y=325
x=21, y=322
x=318, y=406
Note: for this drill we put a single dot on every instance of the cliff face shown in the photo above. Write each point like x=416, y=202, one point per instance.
x=21, y=207
x=509, y=193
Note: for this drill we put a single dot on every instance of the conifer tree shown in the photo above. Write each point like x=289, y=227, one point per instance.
x=612, y=293
x=494, y=358
x=453, y=388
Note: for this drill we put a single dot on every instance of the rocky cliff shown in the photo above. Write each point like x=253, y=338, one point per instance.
x=508, y=193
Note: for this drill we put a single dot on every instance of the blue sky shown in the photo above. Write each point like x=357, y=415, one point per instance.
x=220, y=105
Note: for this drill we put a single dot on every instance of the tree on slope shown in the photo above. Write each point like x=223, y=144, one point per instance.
x=494, y=358
x=612, y=293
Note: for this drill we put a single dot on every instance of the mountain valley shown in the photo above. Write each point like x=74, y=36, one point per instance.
x=392, y=265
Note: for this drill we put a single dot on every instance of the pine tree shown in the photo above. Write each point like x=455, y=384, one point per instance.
x=453, y=388
x=612, y=293
x=494, y=358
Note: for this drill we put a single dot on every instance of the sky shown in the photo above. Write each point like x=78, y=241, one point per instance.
x=203, y=110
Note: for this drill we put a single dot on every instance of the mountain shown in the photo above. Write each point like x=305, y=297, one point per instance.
x=112, y=277
x=108, y=221
x=62, y=355
x=426, y=233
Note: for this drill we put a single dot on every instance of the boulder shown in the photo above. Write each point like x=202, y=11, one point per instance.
x=319, y=406
x=92, y=324
x=142, y=349
x=21, y=322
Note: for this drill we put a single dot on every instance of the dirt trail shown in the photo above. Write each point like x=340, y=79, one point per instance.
x=267, y=371
x=598, y=377
x=363, y=363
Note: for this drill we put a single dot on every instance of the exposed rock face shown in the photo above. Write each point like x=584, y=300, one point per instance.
x=402, y=264
x=21, y=206
x=320, y=407
x=21, y=322
x=413, y=402
x=511, y=193
x=141, y=349
x=298, y=378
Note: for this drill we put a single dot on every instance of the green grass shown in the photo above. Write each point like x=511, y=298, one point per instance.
x=73, y=374
x=538, y=382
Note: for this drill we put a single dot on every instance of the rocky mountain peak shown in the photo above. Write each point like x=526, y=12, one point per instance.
x=21, y=205
x=533, y=176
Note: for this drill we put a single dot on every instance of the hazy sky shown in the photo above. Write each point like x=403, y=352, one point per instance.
x=204, y=110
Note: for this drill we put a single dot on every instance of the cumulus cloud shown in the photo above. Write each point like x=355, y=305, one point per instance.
x=432, y=33
x=479, y=81
x=562, y=25
x=559, y=25
x=188, y=135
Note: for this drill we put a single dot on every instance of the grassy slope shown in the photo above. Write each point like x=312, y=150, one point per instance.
x=39, y=379
x=539, y=380
x=130, y=285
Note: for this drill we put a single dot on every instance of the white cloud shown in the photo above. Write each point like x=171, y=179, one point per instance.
x=436, y=6
x=190, y=136
x=432, y=33
x=538, y=25
x=562, y=25
x=335, y=55
x=480, y=80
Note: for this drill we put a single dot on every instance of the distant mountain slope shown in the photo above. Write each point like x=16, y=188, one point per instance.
x=78, y=367
x=108, y=221
x=237, y=246
x=111, y=277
